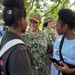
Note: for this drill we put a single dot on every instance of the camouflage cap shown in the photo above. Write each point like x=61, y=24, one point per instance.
x=35, y=16
x=48, y=19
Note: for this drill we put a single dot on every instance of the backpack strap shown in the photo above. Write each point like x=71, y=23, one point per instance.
x=60, y=54
x=9, y=44
x=60, y=47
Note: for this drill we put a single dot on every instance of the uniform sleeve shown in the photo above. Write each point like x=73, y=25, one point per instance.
x=19, y=63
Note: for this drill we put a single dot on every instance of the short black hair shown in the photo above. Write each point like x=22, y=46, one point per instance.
x=67, y=16
x=13, y=13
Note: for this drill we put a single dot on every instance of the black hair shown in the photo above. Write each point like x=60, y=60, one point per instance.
x=67, y=16
x=45, y=24
x=13, y=13
x=14, y=3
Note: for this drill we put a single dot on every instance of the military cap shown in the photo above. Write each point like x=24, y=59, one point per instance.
x=48, y=19
x=35, y=16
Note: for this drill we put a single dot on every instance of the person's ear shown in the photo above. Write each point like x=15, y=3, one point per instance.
x=65, y=26
x=22, y=19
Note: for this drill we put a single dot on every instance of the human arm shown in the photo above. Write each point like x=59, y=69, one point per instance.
x=19, y=62
x=65, y=68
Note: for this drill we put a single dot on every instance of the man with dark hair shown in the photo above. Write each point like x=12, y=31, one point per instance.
x=17, y=58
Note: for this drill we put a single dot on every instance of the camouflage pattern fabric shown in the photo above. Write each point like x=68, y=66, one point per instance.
x=40, y=59
x=49, y=33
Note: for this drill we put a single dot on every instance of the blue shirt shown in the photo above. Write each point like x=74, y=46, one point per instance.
x=2, y=32
x=68, y=52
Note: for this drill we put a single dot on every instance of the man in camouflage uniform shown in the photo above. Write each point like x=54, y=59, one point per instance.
x=36, y=40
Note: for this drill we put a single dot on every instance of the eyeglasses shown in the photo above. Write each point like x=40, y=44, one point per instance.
x=31, y=22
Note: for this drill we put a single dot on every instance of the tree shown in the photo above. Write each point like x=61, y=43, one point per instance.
x=46, y=7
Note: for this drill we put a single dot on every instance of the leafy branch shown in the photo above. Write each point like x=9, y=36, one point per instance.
x=52, y=9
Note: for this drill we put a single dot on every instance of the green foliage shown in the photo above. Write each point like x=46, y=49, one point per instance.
x=1, y=7
x=46, y=7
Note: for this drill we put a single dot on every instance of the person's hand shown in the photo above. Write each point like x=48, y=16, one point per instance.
x=63, y=68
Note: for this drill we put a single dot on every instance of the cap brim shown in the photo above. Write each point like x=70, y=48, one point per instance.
x=34, y=19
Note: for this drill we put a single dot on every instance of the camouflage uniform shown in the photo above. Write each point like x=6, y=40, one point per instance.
x=49, y=33
x=40, y=60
